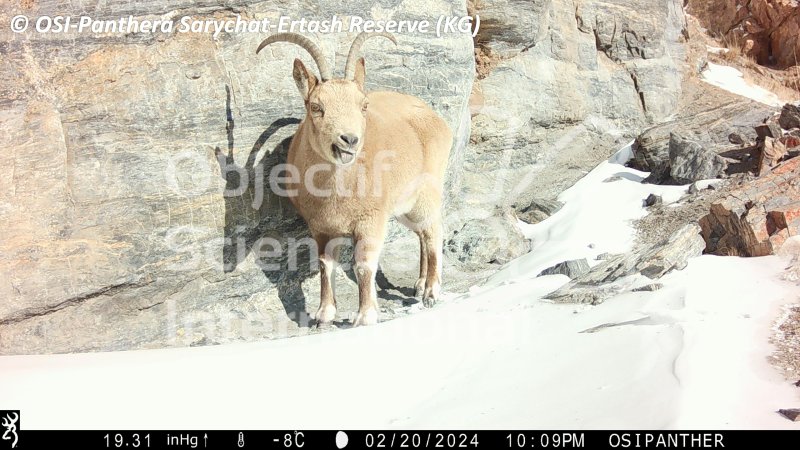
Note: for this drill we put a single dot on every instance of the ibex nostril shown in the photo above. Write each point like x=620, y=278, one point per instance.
x=349, y=139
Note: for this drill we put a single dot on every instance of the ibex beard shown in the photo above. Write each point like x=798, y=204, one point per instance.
x=392, y=142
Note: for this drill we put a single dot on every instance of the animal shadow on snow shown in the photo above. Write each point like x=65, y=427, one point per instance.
x=253, y=211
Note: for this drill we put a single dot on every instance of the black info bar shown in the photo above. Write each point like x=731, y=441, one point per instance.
x=427, y=439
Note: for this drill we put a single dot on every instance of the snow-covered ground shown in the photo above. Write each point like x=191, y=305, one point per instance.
x=691, y=355
x=732, y=80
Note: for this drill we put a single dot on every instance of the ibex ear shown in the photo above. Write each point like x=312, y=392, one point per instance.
x=304, y=79
x=361, y=73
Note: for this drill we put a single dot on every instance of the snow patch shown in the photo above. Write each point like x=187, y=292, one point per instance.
x=596, y=218
x=732, y=80
x=717, y=50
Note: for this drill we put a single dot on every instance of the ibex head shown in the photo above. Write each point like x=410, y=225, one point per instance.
x=336, y=109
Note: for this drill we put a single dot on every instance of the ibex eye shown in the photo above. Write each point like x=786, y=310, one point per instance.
x=315, y=108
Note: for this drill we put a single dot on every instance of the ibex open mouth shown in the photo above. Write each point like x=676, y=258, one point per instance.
x=344, y=157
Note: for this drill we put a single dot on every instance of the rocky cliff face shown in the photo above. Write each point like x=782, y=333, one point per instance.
x=563, y=84
x=138, y=171
x=137, y=202
x=767, y=30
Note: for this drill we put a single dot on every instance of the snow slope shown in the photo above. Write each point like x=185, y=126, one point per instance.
x=732, y=80
x=691, y=355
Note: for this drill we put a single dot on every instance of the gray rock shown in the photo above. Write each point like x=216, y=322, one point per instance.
x=572, y=268
x=790, y=116
x=792, y=414
x=591, y=295
x=538, y=210
x=653, y=200
x=597, y=285
x=494, y=240
x=672, y=253
x=118, y=230
x=649, y=287
x=709, y=128
x=736, y=138
x=689, y=161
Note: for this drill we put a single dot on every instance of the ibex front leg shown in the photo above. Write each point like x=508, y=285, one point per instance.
x=368, y=244
x=328, y=257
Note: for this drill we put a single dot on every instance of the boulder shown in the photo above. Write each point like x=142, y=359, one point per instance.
x=770, y=152
x=653, y=200
x=652, y=287
x=791, y=141
x=768, y=129
x=737, y=139
x=756, y=218
x=689, y=161
x=672, y=253
x=710, y=128
x=790, y=116
x=572, y=268
x=494, y=240
x=537, y=210
x=792, y=414
x=653, y=262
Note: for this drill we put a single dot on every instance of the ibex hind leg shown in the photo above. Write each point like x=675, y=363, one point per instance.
x=419, y=286
x=416, y=222
x=433, y=247
x=426, y=221
x=430, y=206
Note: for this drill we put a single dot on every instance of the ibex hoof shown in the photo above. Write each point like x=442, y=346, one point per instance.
x=368, y=317
x=431, y=295
x=325, y=314
x=419, y=287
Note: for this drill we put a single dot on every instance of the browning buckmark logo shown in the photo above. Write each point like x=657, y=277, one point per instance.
x=10, y=424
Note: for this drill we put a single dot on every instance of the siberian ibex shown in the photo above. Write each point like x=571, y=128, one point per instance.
x=363, y=158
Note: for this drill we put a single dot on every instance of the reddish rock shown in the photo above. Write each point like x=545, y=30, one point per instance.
x=767, y=30
x=756, y=218
x=771, y=151
x=791, y=142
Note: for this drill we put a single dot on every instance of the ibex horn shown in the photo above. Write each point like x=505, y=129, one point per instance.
x=307, y=44
x=355, y=48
